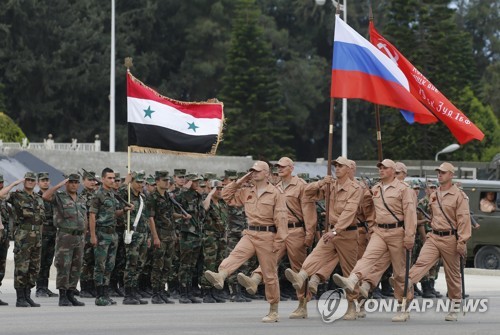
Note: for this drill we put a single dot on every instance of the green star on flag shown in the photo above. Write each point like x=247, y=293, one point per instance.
x=148, y=112
x=192, y=126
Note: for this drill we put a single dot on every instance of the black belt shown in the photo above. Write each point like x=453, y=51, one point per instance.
x=32, y=227
x=347, y=229
x=272, y=229
x=444, y=233
x=74, y=232
x=107, y=230
x=295, y=224
x=390, y=225
x=361, y=224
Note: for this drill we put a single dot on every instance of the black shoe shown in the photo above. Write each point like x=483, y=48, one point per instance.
x=51, y=294
x=426, y=290
x=27, y=296
x=416, y=291
x=164, y=295
x=41, y=292
x=156, y=299
x=237, y=294
x=217, y=296
x=21, y=298
x=63, y=299
x=107, y=296
x=207, y=297
x=137, y=296
x=183, y=298
x=436, y=293
x=3, y=303
x=386, y=290
x=376, y=294
x=71, y=297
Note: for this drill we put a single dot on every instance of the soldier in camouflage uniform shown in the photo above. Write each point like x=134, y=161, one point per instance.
x=191, y=237
x=215, y=239
x=103, y=236
x=5, y=212
x=29, y=210
x=48, y=241
x=137, y=248
x=70, y=219
x=87, y=274
x=161, y=223
x=116, y=282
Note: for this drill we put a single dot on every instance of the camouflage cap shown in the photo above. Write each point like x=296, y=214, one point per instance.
x=150, y=180
x=43, y=175
x=74, y=177
x=229, y=174
x=209, y=176
x=179, y=172
x=161, y=174
x=304, y=176
x=30, y=175
x=117, y=176
x=138, y=176
x=193, y=177
x=90, y=175
x=274, y=170
x=240, y=174
x=1, y=178
x=432, y=183
x=415, y=184
x=203, y=183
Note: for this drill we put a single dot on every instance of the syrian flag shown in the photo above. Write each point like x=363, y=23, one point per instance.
x=158, y=124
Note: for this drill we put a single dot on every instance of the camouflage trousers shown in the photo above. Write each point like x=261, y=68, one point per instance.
x=121, y=258
x=27, y=251
x=214, y=251
x=135, y=254
x=190, y=248
x=104, y=254
x=68, y=260
x=163, y=256
x=147, y=268
x=48, y=252
x=4, y=248
x=176, y=260
x=88, y=261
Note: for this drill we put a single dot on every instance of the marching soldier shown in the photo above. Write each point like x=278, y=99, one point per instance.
x=29, y=210
x=70, y=219
x=265, y=208
x=451, y=229
x=48, y=241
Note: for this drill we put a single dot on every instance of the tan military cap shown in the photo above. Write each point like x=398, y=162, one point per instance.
x=343, y=161
x=401, y=167
x=260, y=166
x=285, y=161
x=388, y=163
x=446, y=167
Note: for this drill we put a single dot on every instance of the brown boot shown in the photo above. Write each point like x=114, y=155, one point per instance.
x=351, y=311
x=251, y=284
x=216, y=279
x=272, y=316
x=364, y=289
x=301, y=311
x=346, y=283
x=403, y=315
x=297, y=279
x=314, y=281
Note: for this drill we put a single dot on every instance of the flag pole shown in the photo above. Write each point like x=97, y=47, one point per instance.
x=377, y=109
x=128, y=65
x=329, y=167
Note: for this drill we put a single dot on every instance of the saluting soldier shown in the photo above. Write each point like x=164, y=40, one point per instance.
x=29, y=210
x=265, y=208
x=48, y=241
x=70, y=219
x=451, y=229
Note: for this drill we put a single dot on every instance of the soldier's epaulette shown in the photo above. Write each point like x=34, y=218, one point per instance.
x=302, y=181
x=464, y=194
x=406, y=184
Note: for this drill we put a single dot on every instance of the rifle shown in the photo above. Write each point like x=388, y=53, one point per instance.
x=424, y=213
x=175, y=202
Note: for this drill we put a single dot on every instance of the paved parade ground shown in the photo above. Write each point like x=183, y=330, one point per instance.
x=240, y=318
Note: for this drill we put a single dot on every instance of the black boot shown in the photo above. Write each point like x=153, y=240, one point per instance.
x=165, y=296
x=237, y=297
x=63, y=299
x=224, y=293
x=426, y=290
x=129, y=298
x=70, y=294
x=3, y=303
x=376, y=294
x=138, y=297
x=173, y=288
x=49, y=292
x=156, y=298
x=101, y=300
x=84, y=290
x=436, y=293
x=27, y=296
x=21, y=298
x=207, y=296
x=106, y=295
x=41, y=289
x=192, y=297
x=183, y=298
x=416, y=291
x=217, y=296
x=387, y=290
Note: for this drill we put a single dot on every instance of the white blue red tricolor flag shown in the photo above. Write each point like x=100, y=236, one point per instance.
x=157, y=123
x=361, y=71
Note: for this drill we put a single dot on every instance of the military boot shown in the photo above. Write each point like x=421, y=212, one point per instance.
x=63, y=299
x=107, y=296
x=301, y=311
x=70, y=294
x=27, y=296
x=297, y=279
x=207, y=296
x=21, y=298
x=416, y=291
x=386, y=290
x=165, y=297
x=217, y=295
x=173, y=288
x=454, y=310
x=113, y=290
x=346, y=283
x=402, y=316
x=364, y=289
x=216, y=279
x=314, y=281
x=426, y=290
x=237, y=296
x=183, y=298
x=351, y=311
x=85, y=290
x=436, y=293
x=129, y=297
x=138, y=297
x=156, y=298
x=101, y=300
x=251, y=284
x=224, y=293
x=360, y=311
x=192, y=297
x=272, y=316
x=49, y=292
x=41, y=289
x=3, y=303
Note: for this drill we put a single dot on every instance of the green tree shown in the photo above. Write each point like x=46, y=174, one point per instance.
x=9, y=130
x=256, y=119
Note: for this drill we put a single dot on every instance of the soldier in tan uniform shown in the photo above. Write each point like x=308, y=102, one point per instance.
x=266, y=212
x=301, y=229
x=341, y=241
x=451, y=229
x=394, y=231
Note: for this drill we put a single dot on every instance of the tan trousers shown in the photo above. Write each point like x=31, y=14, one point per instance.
x=381, y=242
x=435, y=247
x=295, y=249
x=362, y=241
x=325, y=257
x=260, y=243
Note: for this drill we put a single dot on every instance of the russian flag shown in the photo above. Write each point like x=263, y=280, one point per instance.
x=157, y=123
x=361, y=71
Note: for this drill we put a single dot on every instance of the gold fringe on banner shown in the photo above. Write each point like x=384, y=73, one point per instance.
x=147, y=150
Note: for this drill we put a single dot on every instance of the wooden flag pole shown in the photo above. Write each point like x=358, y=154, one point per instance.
x=329, y=167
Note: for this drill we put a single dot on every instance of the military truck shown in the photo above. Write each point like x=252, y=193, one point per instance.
x=483, y=248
